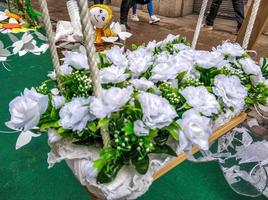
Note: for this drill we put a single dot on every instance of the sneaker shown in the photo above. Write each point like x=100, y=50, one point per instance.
x=135, y=18
x=154, y=19
x=206, y=27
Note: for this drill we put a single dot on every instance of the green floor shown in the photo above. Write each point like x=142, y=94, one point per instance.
x=24, y=174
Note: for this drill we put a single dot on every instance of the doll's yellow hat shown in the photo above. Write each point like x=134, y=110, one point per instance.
x=107, y=8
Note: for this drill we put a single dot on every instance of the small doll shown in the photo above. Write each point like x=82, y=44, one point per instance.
x=101, y=17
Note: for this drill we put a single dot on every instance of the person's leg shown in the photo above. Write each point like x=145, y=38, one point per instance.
x=150, y=8
x=213, y=12
x=239, y=12
x=153, y=18
x=134, y=16
x=134, y=9
x=124, y=9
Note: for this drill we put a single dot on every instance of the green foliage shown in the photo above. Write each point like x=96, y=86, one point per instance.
x=49, y=119
x=141, y=165
x=173, y=129
x=190, y=82
x=164, y=149
x=103, y=61
x=77, y=84
x=148, y=72
x=264, y=67
x=257, y=94
x=207, y=75
x=25, y=9
x=171, y=94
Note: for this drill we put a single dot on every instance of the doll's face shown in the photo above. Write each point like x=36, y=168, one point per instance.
x=98, y=17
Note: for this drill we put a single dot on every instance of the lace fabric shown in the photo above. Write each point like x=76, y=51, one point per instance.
x=243, y=158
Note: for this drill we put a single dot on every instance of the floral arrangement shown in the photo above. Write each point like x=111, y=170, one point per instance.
x=25, y=9
x=153, y=96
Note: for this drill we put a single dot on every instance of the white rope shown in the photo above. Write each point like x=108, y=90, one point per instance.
x=89, y=37
x=251, y=22
x=50, y=37
x=259, y=113
x=199, y=23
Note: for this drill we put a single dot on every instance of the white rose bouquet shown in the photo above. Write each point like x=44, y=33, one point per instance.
x=153, y=96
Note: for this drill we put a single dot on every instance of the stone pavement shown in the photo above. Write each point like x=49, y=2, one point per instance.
x=143, y=32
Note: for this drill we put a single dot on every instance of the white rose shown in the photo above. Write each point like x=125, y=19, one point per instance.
x=157, y=112
x=187, y=55
x=168, y=39
x=230, y=89
x=65, y=69
x=27, y=109
x=164, y=72
x=196, y=130
x=143, y=84
x=250, y=67
x=115, y=55
x=75, y=114
x=151, y=45
x=111, y=101
x=200, y=99
x=180, y=47
x=58, y=101
x=207, y=60
x=113, y=74
x=170, y=70
x=76, y=60
x=181, y=63
x=230, y=49
x=139, y=61
x=140, y=128
x=163, y=57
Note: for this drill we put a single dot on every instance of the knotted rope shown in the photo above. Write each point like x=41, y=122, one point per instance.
x=251, y=23
x=50, y=37
x=89, y=37
x=199, y=23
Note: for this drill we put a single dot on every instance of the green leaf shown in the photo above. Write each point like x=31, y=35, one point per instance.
x=60, y=130
x=48, y=125
x=141, y=165
x=153, y=133
x=134, y=47
x=102, y=123
x=92, y=127
x=173, y=130
x=99, y=164
x=129, y=128
x=109, y=172
x=180, y=77
x=165, y=149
